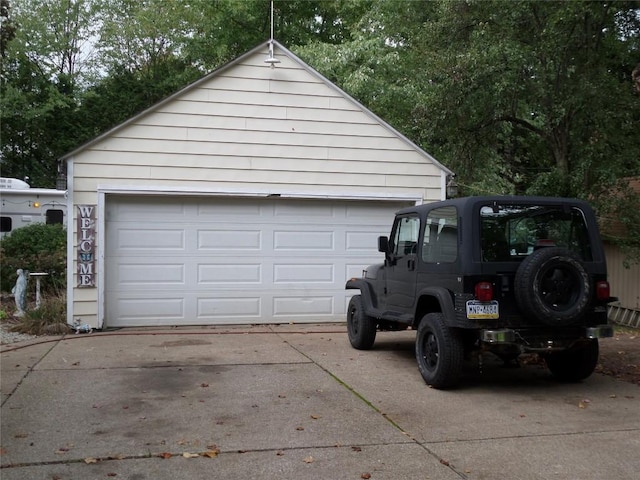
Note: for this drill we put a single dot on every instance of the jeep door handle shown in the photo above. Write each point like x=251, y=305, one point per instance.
x=411, y=264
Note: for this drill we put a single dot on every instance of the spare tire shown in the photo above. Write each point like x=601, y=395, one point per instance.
x=552, y=287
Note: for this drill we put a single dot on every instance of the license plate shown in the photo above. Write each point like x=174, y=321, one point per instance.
x=482, y=310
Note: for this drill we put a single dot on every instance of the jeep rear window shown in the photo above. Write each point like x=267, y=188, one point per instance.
x=511, y=232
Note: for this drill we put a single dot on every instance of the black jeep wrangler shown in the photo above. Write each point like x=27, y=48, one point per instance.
x=508, y=275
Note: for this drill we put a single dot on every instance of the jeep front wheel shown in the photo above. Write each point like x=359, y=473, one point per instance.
x=575, y=363
x=360, y=326
x=439, y=352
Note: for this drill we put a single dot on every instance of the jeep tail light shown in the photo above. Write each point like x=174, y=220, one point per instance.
x=602, y=290
x=484, y=291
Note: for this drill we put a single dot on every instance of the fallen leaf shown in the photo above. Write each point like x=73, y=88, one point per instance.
x=581, y=404
x=299, y=428
x=444, y=462
x=90, y=460
x=165, y=455
x=204, y=385
x=212, y=452
x=213, y=446
x=309, y=459
x=356, y=449
x=365, y=475
x=280, y=453
x=190, y=455
x=316, y=417
x=21, y=435
x=112, y=474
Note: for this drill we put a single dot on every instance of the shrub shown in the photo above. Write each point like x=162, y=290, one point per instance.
x=37, y=248
x=49, y=319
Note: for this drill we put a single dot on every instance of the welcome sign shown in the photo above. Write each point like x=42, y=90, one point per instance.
x=86, y=246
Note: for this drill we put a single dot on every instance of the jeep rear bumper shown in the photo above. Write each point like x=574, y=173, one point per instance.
x=528, y=341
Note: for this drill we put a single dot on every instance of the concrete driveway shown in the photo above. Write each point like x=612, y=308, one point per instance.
x=293, y=402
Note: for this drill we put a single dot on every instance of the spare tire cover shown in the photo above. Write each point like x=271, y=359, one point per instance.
x=552, y=287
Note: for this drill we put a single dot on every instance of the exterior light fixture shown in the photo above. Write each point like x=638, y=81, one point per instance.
x=452, y=187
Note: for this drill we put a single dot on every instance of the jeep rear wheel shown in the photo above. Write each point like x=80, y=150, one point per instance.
x=576, y=363
x=439, y=352
x=552, y=287
x=360, y=326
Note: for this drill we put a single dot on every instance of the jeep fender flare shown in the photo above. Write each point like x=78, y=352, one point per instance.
x=434, y=299
x=366, y=291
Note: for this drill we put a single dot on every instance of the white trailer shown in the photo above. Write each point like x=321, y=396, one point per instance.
x=21, y=205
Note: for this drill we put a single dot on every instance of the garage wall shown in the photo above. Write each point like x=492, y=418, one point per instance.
x=273, y=128
x=252, y=130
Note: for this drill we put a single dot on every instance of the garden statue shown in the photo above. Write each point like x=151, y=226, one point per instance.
x=20, y=291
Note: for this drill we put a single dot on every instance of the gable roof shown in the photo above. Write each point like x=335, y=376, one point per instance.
x=262, y=48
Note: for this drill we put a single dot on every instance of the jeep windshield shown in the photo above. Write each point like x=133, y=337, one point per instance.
x=512, y=232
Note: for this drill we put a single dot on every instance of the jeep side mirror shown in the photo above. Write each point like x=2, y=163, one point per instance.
x=383, y=244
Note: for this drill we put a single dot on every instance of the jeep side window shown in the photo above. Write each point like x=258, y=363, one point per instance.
x=405, y=237
x=440, y=241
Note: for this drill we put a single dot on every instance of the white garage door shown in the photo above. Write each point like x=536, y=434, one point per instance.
x=204, y=260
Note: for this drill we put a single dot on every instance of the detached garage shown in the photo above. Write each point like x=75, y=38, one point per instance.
x=250, y=196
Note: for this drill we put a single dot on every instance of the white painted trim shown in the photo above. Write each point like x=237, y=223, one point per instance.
x=70, y=215
x=100, y=257
x=443, y=185
x=167, y=190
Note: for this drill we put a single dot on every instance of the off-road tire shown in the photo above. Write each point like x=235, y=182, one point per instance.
x=552, y=287
x=439, y=352
x=360, y=326
x=576, y=363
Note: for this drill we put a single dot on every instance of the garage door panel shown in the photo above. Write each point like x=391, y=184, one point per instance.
x=221, y=274
x=136, y=239
x=229, y=241
x=356, y=269
x=303, y=209
x=361, y=241
x=155, y=308
x=224, y=261
x=221, y=309
x=303, y=306
x=134, y=208
x=231, y=207
x=303, y=273
x=303, y=240
x=138, y=275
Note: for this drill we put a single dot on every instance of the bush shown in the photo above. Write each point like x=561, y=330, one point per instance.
x=37, y=248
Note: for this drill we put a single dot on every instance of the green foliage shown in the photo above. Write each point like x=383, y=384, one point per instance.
x=37, y=248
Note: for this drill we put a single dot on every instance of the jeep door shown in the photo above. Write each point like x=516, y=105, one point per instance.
x=439, y=252
x=400, y=269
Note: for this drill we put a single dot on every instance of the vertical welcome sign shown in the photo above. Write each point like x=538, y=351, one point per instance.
x=86, y=246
